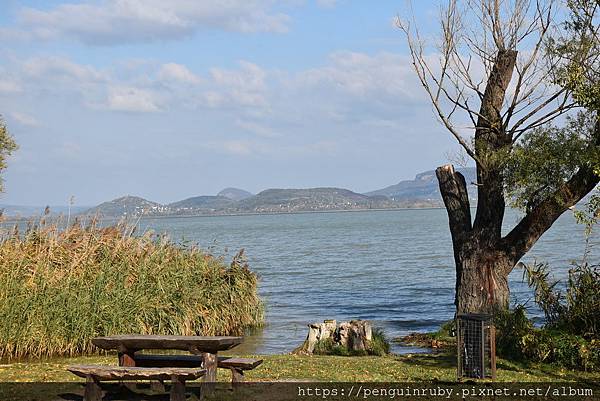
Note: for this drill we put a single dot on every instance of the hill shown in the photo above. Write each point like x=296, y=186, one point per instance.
x=310, y=199
x=126, y=206
x=424, y=187
x=235, y=194
x=200, y=204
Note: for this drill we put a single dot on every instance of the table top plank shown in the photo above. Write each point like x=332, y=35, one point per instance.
x=136, y=342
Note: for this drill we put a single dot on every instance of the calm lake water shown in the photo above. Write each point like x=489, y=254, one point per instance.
x=394, y=268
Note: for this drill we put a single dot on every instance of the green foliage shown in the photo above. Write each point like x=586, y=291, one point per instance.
x=576, y=54
x=512, y=326
x=60, y=288
x=7, y=147
x=379, y=345
x=591, y=213
x=517, y=339
x=577, y=311
x=547, y=297
x=546, y=157
x=582, y=314
x=571, y=334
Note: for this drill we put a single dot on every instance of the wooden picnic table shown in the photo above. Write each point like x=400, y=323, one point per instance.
x=205, y=346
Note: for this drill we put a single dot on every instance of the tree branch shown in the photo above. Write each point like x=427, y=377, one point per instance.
x=541, y=217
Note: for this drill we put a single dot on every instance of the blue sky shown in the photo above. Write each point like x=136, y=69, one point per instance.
x=168, y=100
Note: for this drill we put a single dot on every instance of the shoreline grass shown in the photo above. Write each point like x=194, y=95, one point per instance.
x=392, y=368
x=60, y=288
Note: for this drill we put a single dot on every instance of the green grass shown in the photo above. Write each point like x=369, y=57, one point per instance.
x=60, y=288
x=391, y=368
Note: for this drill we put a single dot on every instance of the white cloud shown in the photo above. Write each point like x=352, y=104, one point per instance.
x=245, y=86
x=258, y=129
x=172, y=72
x=24, y=119
x=8, y=86
x=132, y=99
x=326, y=3
x=362, y=90
x=113, y=22
x=361, y=74
x=237, y=147
x=59, y=68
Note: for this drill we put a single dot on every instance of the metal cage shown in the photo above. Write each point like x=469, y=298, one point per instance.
x=476, y=342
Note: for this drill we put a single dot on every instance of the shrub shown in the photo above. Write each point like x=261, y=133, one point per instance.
x=379, y=345
x=578, y=310
x=60, y=288
x=518, y=339
x=512, y=326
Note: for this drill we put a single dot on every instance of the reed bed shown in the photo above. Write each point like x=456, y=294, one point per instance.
x=59, y=288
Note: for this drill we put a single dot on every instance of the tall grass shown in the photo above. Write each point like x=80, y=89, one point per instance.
x=60, y=288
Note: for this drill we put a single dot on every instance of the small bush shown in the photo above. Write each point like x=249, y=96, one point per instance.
x=61, y=288
x=577, y=311
x=570, y=336
x=379, y=345
x=511, y=327
x=518, y=339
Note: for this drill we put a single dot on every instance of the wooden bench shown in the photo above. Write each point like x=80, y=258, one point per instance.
x=94, y=374
x=236, y=365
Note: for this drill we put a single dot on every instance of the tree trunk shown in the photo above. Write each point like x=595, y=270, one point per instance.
x=481, y=270
x=483, y=277
x=483, y=262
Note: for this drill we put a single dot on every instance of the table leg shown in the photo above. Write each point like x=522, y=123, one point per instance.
x=93, y=392
x=126, y=358
x=210, y=364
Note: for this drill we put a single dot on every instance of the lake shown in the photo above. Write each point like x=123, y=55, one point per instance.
x=394, y=268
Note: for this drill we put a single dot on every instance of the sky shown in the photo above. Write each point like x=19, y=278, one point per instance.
x=168, y=100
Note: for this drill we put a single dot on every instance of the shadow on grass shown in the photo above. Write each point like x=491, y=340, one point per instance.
x=117, y=392
x=439, y=361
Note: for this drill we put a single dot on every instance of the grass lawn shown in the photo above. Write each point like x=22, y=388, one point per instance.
x=393, y=368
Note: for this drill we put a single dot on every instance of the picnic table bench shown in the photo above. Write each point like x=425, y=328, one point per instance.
x=236, y=365
x=207, y=347
x=96, y=373
x=134, y=365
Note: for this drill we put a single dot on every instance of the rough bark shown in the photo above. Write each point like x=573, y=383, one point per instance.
x=354, y=336
x=456, y=199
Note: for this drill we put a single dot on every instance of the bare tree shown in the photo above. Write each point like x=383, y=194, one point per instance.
x=490, y=80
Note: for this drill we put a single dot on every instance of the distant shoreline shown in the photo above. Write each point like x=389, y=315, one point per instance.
x=295, y=212
x=73, y=217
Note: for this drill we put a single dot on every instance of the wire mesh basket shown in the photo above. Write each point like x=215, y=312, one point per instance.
x=476, y=342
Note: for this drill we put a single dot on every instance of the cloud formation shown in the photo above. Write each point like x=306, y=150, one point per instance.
x=165, y=114
x=123, y=98
x=113, y=22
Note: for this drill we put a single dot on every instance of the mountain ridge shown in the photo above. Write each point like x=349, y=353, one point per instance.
x=420, y=192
